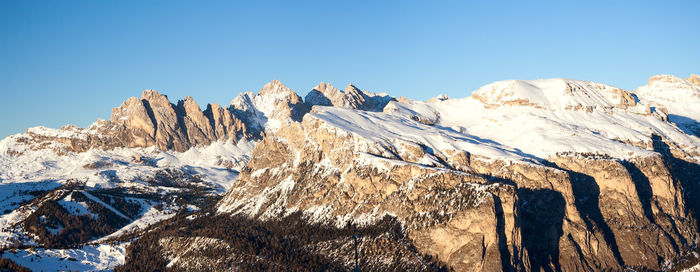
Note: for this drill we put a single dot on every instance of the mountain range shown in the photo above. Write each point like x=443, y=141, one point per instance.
x=522, y=175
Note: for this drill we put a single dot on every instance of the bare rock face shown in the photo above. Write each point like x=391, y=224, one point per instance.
x=197, y=126
x=179, y=127
x=694, y=79
x=325, y=94
x=153, y=120
x=169, y=132
x=133, y=114
x=575, y=212
x=224, y=124
x=459, y=191
x=149, y=121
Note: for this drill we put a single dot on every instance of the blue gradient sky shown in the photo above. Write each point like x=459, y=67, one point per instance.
x=72, y=61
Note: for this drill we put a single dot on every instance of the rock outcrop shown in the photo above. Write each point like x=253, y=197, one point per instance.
x=325, y=94
x=153, y=120
x=474, y=208
x=554, y=175
x=223, y=123
x=149, y=121
x=694, y=79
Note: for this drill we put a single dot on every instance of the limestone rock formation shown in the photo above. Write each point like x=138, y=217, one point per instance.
x=694, y=79
x=134, y=116
x=169, y=128
x=198, y=127
x=154, y=120
x=223, y=123
x=554, y=175
x=449, y=170
x=149, y=121
x=476, y=209
x=325, y=94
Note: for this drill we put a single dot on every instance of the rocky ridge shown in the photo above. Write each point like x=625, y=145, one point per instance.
x=273, y=107
x=153, y=120
x=325, y=94
x=676, y=97
x=550, y=174
x=482, y=205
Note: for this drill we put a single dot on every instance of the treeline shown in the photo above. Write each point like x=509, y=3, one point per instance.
x=57, y=227
x=72, y=229
x=126, y=206
x=286, y=244
x=11, y=266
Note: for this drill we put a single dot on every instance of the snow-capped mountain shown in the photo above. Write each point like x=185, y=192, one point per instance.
x=546, y=117
x=677, y=97
x=546, y=174
x=273, y=107
x=325, y=94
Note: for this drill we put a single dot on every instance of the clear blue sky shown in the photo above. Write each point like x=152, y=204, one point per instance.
x=72, y=61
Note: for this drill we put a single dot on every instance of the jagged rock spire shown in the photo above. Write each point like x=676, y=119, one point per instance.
x=154, y=120
x=325, y=94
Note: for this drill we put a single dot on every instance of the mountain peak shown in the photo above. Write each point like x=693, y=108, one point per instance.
x=152, y=95
x=664, y=79
x=273, y=107
x=532, y=162
x=672, y=86
x=275, y=87
x=325, y=94
x=351, y=87
x=327, y=88
x=555, y=93
x=694, y=79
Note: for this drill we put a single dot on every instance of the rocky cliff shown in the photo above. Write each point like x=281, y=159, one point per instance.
x=325, y=94
x=614, y=197
x=153, y=120
x=522, y=175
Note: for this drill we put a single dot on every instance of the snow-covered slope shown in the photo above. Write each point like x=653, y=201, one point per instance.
x=42, y=170
x=551, y=174
x=273, y=107
x=389, y=130
x=679, y=98
x=99, y=168
x=546, y=117
x=88, y=258
x=553, y=94
x=153, y=153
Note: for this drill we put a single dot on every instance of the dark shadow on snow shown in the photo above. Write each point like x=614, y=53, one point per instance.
x=688, y=125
